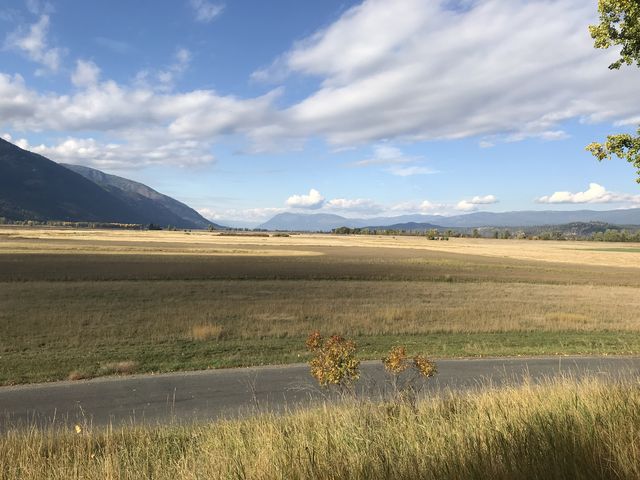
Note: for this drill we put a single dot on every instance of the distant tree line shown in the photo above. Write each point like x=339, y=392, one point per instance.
x=562, y=233
x=57, y=223
x=616, y=236
x=432, y=234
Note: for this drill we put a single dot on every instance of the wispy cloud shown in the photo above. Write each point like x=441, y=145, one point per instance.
x=167, y=77
x=385, y=155
x=38, y=7
x=117, y=46
x=9, y=15
x=33, y=42
x=205, y=11
x=397, y=162
x=388, y=75
x=410, y=171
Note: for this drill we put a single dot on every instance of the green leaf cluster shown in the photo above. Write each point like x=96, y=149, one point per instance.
x=623, y=145
x=619, y=26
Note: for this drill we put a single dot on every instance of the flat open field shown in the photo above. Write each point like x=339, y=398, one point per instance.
x=100, y=302
x=17, y=240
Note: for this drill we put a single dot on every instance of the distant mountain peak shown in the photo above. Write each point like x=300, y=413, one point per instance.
x=32, y=187
x=154, y=206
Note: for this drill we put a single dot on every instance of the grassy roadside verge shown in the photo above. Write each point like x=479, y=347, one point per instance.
x=557, y=431
x=40, y=364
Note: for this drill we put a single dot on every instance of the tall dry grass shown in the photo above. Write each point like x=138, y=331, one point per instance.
x=99, y=312
x=556, y=431
x=207, y=331
x=48, y=329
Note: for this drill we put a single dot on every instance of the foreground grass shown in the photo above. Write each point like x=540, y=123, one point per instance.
x=556, y=431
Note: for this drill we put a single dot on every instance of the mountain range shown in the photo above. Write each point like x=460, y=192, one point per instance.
x=32, y=187
x=322, y=222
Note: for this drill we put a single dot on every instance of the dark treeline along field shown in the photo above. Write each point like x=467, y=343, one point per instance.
x=84, y=315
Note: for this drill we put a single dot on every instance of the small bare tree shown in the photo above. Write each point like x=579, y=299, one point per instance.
x=408, y=374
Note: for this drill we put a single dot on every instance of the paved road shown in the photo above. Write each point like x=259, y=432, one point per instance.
x=200, y=396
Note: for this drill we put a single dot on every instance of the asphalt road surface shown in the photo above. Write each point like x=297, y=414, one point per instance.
x=202, y=396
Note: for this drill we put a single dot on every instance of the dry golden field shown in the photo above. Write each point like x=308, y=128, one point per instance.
x=20, y=240
x=81, y=300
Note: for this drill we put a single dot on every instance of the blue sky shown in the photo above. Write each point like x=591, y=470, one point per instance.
x=248, y=108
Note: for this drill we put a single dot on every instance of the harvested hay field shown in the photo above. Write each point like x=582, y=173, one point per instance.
x=16, y=240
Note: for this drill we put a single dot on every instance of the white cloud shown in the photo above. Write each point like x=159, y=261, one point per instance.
x=17, y=103
x=354, y=205
x=90, y=152
x=466, y=206
x=86, y=74
x=132, y=115
x=475, y=202
x=385, y=155
x=34, y=44
x=202, y=114
x=410, y=171
x=174, y=128
x=205, y=11
x=313, y=200
x=430, y=207
x=209, y=213
x=411, y=69
x=398, y=163
x=38, y=7
x=168, y=76
x=425, y=207
x=628, y=121
x=386, y=74
x=594, y=194
x=439, y=208
x=250, y=215
x=526, y=132
x=349, y=207
x=144, y=126
x=486, y=200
